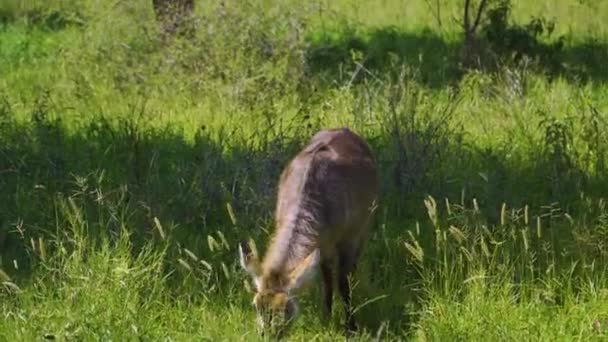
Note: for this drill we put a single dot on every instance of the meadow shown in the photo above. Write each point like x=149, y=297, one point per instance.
x=132, y=164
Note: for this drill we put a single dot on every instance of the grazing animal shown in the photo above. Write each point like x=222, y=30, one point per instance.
x=326, y=197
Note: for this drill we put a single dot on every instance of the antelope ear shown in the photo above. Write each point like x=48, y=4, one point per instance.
x=304, y=271
x=249, y=260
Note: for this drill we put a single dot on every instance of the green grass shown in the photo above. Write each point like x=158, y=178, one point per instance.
x=130, y=168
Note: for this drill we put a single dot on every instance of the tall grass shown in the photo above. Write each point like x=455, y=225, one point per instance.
x=131, y=165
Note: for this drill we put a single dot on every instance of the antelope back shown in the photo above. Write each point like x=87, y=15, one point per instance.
x=326, y=196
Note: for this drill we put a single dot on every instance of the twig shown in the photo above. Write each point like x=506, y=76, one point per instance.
x=482, y=5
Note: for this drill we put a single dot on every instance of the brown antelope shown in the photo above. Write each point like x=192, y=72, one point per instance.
x=326, y=198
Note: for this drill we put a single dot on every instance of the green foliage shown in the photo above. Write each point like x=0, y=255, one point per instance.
x=518, y=41
x=50, y=15
x=131, y=165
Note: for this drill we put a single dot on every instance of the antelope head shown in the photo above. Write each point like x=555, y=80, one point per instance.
x=273, y=298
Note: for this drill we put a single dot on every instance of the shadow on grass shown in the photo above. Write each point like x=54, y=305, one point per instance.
x=134, y=177
x=120, y=177
x=381, y=51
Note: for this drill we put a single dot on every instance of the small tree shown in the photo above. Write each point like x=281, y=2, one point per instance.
x=172, y=14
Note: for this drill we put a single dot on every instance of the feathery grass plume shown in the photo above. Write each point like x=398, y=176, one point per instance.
x=431, y=209
x=475, y=205
x=206, y=265
x=185, y=264
x=464, y=251
x=223, y=240
x=190, y=254
x=11, y=287
x=524, y=236
x=414, y=248
x=159, y=228
x=457, y=234
x=42, y=249
x=447, y=207
x=484, y=246
x=231, y=213
x=225, y=271
x=569, y=218
x=212, y=243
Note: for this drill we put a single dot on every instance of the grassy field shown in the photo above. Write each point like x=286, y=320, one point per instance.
x=131, y=166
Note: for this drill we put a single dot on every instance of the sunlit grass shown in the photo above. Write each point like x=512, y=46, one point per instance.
x=131, y=167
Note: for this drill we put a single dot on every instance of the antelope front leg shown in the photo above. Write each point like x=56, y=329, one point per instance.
x=345, y=268
x=328, y=287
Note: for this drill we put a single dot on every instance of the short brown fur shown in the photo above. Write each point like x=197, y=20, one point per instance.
x=326, y=198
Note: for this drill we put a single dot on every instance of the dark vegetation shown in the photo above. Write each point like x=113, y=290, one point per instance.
x=439, y=61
